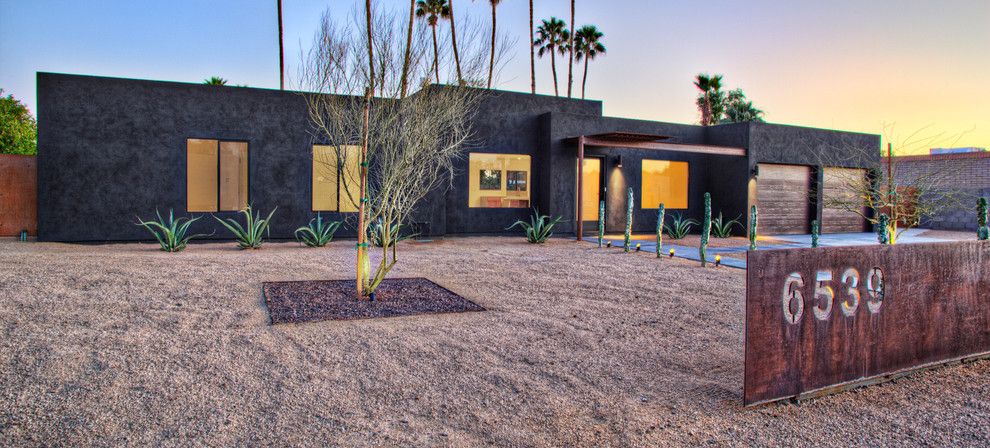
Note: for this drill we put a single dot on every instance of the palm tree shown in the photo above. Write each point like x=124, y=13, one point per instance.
x=453, y=41
x=433, y=10
x=711, y=100
x=215, y=81
x=570, y=52
x=552, y=37
x=587, y=45
x=532, y=53
x=281, y=51
x=491, y=55
x=405, y=61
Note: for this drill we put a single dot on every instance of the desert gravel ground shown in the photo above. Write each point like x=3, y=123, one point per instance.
x=120, y=344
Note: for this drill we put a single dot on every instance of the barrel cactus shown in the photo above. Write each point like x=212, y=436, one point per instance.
x=660, y=214
x=814, y=233
x=752, y=228
x=629, y=210
x=706, y=230
x=601, y=222
x=983, y=232
x=883, y=229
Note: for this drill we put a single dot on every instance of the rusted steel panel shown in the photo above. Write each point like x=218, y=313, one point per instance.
x=18, y=195
x=836, y=316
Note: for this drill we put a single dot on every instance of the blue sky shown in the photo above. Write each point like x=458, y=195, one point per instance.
x=844, y=64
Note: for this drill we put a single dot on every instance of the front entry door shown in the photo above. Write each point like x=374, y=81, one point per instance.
x=592, y=189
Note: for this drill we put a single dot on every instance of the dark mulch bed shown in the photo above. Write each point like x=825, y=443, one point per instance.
x=306, y=301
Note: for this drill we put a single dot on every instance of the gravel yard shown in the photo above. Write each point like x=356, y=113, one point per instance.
x=121, y=344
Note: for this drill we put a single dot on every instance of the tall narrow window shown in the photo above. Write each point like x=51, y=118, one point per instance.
x=336, y=178
x=665, y=182
x=499, y=180
x=216, y=175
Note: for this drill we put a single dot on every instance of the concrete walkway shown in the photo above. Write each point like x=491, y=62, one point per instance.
x=910, y=236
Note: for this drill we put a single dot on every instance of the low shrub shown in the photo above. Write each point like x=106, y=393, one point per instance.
x=250, y=236
x=317, y=233
x=171, y=233
x=539, y=228
x=679, y=226
x=722, y=228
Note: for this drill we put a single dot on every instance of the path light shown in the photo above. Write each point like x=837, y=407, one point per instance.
x=718, y=260
x=671, y=253
x=637, y=247
x=609, y=244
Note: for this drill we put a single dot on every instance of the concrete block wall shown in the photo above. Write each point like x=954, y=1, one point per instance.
x=969, y=173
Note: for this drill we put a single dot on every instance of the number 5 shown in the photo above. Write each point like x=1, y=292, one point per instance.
x=823, y=292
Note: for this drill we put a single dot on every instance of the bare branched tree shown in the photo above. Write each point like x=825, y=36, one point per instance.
x=906, y=195
x=411, y=141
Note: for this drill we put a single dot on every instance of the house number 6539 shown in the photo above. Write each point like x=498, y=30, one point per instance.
x=824, y=295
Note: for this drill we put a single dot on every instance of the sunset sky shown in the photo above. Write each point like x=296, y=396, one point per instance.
x=846, y=64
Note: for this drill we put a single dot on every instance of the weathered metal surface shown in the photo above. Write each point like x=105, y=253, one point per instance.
x=18, y=195
x=820, y=320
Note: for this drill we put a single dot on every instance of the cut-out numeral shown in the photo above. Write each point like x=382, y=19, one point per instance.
x=824, y=295
x=792, y=299
x=875, y=288
x=851, y=278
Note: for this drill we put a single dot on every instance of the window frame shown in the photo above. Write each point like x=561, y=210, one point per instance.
x=503, y=179
x=247, y=154
x=687, y=184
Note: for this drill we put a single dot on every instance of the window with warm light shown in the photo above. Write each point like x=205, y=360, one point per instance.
x=665, y=182
x=336, y=178
x=499, y=180
x=216, y=175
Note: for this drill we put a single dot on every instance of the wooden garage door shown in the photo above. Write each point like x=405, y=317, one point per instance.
x=840, y=196
x=783, y=197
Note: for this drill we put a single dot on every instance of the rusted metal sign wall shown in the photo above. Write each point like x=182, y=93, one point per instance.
x=18, y=194
x=823, y=319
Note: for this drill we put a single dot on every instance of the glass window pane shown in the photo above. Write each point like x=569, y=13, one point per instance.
x=350, y=179
x=591, y=187
x=233, y=176
x=324, y=178
x=665, y=182
x=499, y=180
x=201, y=175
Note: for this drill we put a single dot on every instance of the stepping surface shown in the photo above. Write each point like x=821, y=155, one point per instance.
x=316, y=300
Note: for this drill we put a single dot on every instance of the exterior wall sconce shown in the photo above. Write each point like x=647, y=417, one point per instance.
x=618, y=161
x=755, y=172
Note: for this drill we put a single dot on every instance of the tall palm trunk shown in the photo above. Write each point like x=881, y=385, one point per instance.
x=553, y=68
x=436, y=54
x=570, y=46
x=405, y=61
x=532, y=50
x=453, y=41
x=491, y=56
x=584, y=80
x=281, y=50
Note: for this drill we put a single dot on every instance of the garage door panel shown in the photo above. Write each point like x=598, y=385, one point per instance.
x=842, y=185
x=783, y=195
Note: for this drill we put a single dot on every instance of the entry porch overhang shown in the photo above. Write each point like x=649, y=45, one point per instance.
x=633, y=140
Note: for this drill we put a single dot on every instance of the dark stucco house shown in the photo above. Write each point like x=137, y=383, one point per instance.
x=110, y=149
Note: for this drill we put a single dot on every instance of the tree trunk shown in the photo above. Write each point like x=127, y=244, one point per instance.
x=532, y=50
x=371, y=52
x=491, y=56
x=584, y=80
x=362, y=244
x=436, y=54
x=453, y=42
x=553, y=68
x=281, y=50
x=570, y=47
x=405, y=62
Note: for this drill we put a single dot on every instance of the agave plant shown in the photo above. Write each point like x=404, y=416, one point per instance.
x=722, y=228
x=250, y=235
x=376, y=234
x=317, y=233
x=679, y=226
x=539, y=228
x=171, y=234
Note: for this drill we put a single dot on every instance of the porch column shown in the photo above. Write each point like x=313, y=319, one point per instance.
x=580, y=188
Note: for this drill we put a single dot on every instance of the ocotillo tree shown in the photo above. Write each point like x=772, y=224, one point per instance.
x=629, y=210
x=752, y=228
x=660, y=214
x=706, y=230
x=983, y=233
x=814, y=233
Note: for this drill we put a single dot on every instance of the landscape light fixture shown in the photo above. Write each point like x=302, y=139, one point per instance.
x=718, y=260
x=637, y=247
x=671, y=253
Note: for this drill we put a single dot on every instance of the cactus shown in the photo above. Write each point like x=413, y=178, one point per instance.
x=660, y=214
x=752, y=228
x=983, y=233
x=814, y=233
x=601, y=222
x=883, y=229
x=706, y=230
x=629, y=210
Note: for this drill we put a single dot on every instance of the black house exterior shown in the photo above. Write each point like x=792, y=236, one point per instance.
x=111, y=149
